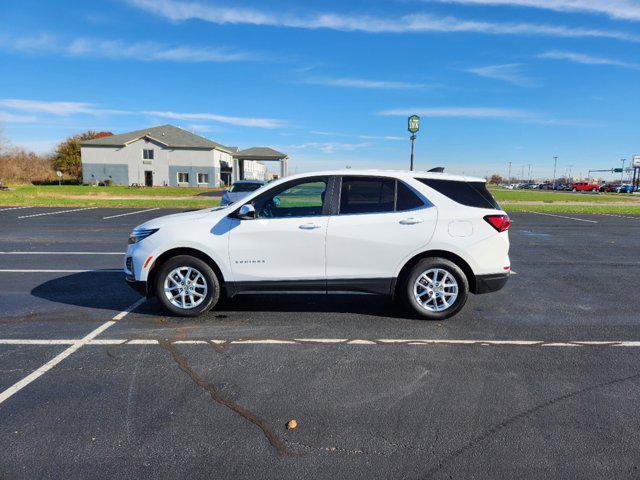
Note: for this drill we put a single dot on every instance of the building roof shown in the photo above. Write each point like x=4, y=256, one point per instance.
x=168, y=135
x=260, y=153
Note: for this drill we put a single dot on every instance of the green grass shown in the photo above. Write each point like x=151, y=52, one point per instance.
x=75, y=190
x=555, y=197
x=560, y=208
x=85, y=196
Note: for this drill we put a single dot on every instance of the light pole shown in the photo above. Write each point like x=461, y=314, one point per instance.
x=509, y=177
x=529, y=180
x=413, y=127
x=555, y=164
x=622, y=174
x=570, y=177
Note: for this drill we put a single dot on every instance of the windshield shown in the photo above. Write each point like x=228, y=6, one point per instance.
x=244, y=187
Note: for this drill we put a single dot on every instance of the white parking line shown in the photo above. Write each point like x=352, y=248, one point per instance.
x=58, y=212
x=332, y=341
x=12, y=208
x=130, y=213
x=61, y=356
x=15, y=252
x=97, y=270
x=562, y=216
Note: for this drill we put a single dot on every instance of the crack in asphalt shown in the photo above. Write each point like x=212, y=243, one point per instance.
x=218, y=397
x=487, y=434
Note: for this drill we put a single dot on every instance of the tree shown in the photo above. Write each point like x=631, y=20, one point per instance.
x=67, y=159
x=495, y=179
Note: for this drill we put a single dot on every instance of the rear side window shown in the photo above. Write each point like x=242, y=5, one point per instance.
x=367, y=195
x=471, y=194
x=376, y=195
x=406, y=199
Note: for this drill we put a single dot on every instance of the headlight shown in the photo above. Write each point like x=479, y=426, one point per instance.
x=139, y=235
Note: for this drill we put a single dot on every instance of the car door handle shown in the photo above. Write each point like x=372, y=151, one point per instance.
x=309, y=226
x=410, y=221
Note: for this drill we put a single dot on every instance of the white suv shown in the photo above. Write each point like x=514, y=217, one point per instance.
x=427, y=239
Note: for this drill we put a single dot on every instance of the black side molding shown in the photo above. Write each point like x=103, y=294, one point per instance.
x=491, y=283
x=376, y=286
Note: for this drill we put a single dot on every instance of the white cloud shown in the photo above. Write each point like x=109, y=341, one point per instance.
x=239, y=121
x=587, y=59
x=384, y=137
x=177, y=10
x=460, y=112
x=510, y=73
x=484, y=113
x=326, y=147
x=364, y=83
x=6, y=117
x=55, y=108
x=120, y=50
x=618, y=9
x=84, y=108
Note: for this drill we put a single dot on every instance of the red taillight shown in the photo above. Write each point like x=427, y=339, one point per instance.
x=499, y=222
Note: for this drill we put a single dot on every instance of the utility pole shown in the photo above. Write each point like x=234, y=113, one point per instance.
x=522, y=174
x=413, y=127
x=509, y=177
x=570, y=177
x=529, y=173
x=555, y=164
x=622, y=174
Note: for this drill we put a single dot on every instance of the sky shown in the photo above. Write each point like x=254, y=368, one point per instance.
x=331, y=83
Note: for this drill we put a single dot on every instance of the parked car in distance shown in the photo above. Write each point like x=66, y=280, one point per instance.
x=610, y=187
x=546, y=186
x=426, y=239
x=239, y=190
x=561, y=186
x=625, y=188
x=585, y=187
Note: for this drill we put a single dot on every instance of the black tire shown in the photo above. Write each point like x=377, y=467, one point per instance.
x=212, y=284
x=442, y=264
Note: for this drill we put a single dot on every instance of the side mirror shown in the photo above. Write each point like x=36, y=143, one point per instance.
x=247, y=212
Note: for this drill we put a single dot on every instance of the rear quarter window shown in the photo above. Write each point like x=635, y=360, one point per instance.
x=471, y=194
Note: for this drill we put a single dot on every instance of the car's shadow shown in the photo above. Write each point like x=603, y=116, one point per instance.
x=108, y=291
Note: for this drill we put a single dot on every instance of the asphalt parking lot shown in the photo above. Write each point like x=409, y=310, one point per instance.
x=541, y=379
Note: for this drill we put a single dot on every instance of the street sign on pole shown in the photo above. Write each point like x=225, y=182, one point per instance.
x=414, y=124
x=59, y=175
x=636, y=161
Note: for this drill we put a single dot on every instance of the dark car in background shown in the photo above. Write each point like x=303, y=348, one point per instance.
x=610, y=187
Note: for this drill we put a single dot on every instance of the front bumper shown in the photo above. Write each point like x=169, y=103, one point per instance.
x=491, y=283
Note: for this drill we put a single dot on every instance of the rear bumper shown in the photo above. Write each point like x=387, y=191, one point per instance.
x=138, y=286
x=491, y=283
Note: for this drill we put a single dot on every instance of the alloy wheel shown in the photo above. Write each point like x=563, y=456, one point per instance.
x=435, y=290
x=185, y=287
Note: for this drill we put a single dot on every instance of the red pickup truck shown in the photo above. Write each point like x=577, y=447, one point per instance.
x=585, y=187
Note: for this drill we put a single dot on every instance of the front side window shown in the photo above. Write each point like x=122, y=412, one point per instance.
x=183, y=177
x=147, y=154
x=304, y=198
x=203, y=178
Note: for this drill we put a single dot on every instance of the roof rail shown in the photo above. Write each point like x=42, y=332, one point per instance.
x=436, y=170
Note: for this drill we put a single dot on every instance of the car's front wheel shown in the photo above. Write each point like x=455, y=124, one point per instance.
x=436, y=288
x=186, y=286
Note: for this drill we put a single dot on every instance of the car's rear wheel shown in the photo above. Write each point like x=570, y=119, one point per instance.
x=186, y=286
x=436, y=288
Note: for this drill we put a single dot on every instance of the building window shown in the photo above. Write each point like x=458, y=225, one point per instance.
x=203, y=178
x=183, y=177
x=147, y=154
